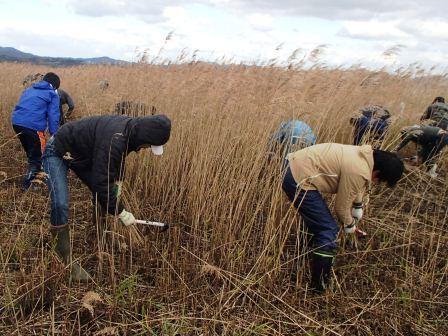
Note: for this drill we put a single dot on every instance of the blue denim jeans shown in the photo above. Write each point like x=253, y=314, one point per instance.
x=56, y=169
x=315, y=213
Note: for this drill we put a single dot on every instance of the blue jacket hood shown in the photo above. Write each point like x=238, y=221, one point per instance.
x=42, y=85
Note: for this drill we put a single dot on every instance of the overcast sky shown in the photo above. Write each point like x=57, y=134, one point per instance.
x=352, y=31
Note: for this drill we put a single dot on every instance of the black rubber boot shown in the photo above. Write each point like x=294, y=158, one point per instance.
x=321, y=265
x=63, y=249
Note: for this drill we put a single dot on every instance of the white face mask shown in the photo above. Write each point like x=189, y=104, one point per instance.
x=157, y=150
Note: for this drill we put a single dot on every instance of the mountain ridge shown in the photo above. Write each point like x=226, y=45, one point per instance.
x=10, y=54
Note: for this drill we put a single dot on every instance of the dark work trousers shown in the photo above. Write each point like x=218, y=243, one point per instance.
x=429, y=151
x=33, y=142
x=315, y=213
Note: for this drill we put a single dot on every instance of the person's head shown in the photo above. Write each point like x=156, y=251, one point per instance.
x=438, y=100
x=151, y=131
x=387, y=167
x=53, y=79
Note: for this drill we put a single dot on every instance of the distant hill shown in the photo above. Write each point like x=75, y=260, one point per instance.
x=13, y=55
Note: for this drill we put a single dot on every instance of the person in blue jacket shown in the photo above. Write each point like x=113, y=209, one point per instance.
x=36, y=111
x=291, y=136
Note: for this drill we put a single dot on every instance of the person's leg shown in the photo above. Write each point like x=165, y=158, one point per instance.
x=319, y=221
x=427, y=154
x=31, y=143
x=57, y=182
x=321, y=224
x=289, y=186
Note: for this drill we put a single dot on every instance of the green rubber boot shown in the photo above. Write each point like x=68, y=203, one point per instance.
x=63, y=249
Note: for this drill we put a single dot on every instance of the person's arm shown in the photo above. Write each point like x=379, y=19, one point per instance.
x=71, y=105
x=427, y=114
x=355, y=121
x=404, y=142
x=105, y=171
x=351, y=188
x=53, y=113
x=276, y=139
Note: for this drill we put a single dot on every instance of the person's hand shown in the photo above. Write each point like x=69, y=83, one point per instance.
x=360, y=233
x=357, y=211
x=351, y=228
x=126, y=218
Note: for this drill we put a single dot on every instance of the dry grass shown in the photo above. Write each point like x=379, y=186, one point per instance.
x=231, y=262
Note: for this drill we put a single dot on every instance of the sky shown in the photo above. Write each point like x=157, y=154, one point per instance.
x=374, y=33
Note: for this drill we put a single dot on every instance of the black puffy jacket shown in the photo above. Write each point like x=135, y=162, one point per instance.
x=98, y=147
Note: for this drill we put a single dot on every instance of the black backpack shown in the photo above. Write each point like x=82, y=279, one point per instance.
x=375, y=112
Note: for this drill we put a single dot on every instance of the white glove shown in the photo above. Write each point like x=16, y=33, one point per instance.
x=126, y=218
x=357, y=211
x=432, y=171
x=350, y=228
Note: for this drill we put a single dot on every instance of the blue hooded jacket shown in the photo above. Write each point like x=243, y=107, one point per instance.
x=291, y=133
x=295, y=131
x=38, y=106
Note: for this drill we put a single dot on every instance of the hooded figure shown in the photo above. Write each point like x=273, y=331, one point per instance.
x=95, y=149
x=290, y=136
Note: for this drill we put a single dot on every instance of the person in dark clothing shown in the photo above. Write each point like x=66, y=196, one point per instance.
x=371, y=125
x=37, y=110
x=134, y=109
x=65, y=99
x=95, y=148
x=431, y=141
x=437, y=113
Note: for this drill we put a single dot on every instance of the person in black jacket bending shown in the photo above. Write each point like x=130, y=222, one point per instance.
x=95, y=148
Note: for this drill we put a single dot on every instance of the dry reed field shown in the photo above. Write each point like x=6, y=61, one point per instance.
x=233, y=261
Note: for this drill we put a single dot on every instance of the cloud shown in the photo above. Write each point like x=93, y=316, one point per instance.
x=261, y=22
x=151, y=10
x=327, y=9
x=373, y=30
x=113, y=38
x=344, y=9
x=248, y=30
x=430, y=29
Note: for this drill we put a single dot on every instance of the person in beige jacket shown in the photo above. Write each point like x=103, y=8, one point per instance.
x=346, y=171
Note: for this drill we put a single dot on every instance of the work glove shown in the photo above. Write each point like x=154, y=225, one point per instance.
x=126, y=218
x=351, y=228
x=118, y=188
x=432, y=171
x=357, y=211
